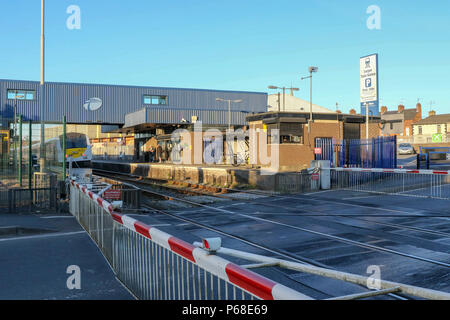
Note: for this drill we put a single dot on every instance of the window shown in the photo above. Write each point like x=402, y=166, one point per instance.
x=420, y=129
x=155, y=100
x=21, y=94
x=289, y=133
x=439, y=129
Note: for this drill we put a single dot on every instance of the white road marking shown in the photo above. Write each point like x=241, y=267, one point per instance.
x=43, y=236
x=313, y=193
x=57, y=217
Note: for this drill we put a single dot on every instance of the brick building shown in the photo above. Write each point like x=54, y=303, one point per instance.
x=400, y=122
x=297, y=141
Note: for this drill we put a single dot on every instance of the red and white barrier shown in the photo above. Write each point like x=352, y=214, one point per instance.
x=438, y=172
x=245, y=279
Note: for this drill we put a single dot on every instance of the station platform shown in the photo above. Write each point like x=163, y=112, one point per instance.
x=38, y=249
x=217, y=175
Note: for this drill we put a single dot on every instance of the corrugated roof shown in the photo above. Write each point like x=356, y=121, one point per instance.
x=437, y=119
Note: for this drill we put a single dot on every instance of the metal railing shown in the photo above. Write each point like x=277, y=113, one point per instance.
x=130, y=195
x=28, y=200
x=155, y=265
x=416, y=183
x=297, y=182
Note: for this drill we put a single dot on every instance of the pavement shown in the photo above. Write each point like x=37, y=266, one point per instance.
x=36, y=252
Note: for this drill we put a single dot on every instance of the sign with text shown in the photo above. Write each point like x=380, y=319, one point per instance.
x=112, y=195
x=318, y=151
x=369, y=85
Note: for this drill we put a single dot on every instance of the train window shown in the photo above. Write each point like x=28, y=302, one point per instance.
x=75, y=141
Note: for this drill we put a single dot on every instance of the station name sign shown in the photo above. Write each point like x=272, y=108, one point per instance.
x=369, y=84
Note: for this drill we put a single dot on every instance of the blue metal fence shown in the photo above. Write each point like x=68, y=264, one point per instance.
x=378, y=152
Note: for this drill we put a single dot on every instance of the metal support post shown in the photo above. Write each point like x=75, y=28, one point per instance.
x=20, y=150
x=30, y=155
x=64, y=147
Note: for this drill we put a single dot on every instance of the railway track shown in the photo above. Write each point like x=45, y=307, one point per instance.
x=196, y=192
x=284, y=225
x=178, y=195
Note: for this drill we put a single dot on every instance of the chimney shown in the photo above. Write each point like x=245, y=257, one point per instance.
x=401, y=108
x=419, y=111
x=383, y=110
x=353, y=112
x=432, y=113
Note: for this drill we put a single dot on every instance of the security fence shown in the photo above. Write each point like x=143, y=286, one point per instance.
x=380, y=152
x=416, y=183
x=155, y=265
x=28, y=200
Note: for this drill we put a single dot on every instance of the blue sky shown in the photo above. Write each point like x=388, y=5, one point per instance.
x=237, y=45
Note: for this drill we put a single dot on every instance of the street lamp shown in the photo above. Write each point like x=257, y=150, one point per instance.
x=42, y=87
x=311, y=71
x=229, y=108
x=284, y=95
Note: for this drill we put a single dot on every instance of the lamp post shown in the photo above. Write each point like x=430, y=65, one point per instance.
x=229, y=108
x=311, y=71
x=42, y=88
x=284, y=95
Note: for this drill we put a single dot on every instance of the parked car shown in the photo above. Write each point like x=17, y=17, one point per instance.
x=406, y=148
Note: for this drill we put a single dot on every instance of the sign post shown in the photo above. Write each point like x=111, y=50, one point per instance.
x=369, y=85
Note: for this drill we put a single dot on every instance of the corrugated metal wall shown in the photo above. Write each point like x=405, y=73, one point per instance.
x=68, y=99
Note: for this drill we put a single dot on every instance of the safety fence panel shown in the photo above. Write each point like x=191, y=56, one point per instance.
x=28, y=200
x=417, y=183
x=157, y=266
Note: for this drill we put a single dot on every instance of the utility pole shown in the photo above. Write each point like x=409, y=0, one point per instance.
x=284, y=95
x=42, y=88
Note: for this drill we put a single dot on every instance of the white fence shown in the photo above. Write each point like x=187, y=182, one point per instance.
x=416, y=183
x=157, y=266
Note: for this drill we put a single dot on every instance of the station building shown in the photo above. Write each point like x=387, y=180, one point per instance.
x=299, y=138
x=126, y=122
x=126, y=118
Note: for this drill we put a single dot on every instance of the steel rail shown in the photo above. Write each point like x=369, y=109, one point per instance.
x=339, y=239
